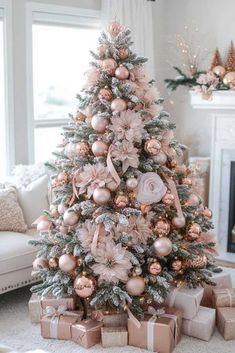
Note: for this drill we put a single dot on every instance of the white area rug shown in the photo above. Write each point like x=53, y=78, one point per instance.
x=18, y=332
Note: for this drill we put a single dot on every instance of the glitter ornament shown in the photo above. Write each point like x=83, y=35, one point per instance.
x=135, y=285
x=40, y=263
x=198, y=261
x=109, y=66
x=99, y=148
x=176, y=265
x=101, y=196
x=106, y=94
x=152, y=147
x=138, y=271
x=84, y=286
x=131, y=183
x=178, y=221
x=207, y=213
x=219, y=71
x=154, y=268
x=193, y=231
x=118, y=105
x=82, y=149
x=122, y=73
x=53, y=262
x=99, y=123
x=162, y=228
x=123, y=53
x=70, y=217
x=121, y=200
x=168, y=199
x=162, y=246
x=67, y=263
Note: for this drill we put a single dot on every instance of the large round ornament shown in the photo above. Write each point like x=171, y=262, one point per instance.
x=82, y=149
x=84, y=286
x=198, y=261
x=123, y=53
x=162, y=246
x=152, y=147
x=193, y=200
x=135, y=285
x=168, y=199
x=99, y=123
x=53, y=262
x=178, y=221
x=101, y=196
x=62, y=208
x=131, y=183
x=229, y=79
x=122, y=73
x=118, y=105
x=162, y=228
x=109, y=66
x=154, y=268
x=99, y=148
x=67, y=263
x=193, y=231
x=160, y=158
x=70, y=217
x=121, y=200
x=105, y=93
x=219, y=71
x=176, y=265
x=44, y=225
x=40, y=263
x=207, y=213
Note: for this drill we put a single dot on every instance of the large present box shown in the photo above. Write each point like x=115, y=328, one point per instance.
x=223, y=297
x=87, y=333
x=222, y=280
x=114, y=336
x=226, y=322
x=115, y=320
x=202, y=325
x=157, y=334
x=38, y=303
x=186, y=300
x=57, y=323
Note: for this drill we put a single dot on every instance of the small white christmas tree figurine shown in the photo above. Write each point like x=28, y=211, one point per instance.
x=124, y=224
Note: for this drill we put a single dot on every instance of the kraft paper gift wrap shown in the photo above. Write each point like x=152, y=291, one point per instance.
x=114, y=336
x=202, y=325
x=56, y=323
x=222, y=280
x=87, y=333
x=223, y=297
x=186, y=300
x=157, y=334
x=115, y=320
x=226, y=322
x=38, y=303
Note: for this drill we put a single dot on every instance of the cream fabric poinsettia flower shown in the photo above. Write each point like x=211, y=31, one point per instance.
x=85, y=234
x=138, y=229
x=150, y=188
x=127, y=154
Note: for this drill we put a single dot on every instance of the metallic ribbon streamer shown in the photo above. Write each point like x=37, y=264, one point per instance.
x=132, y=317
x=174, y=192
x=95, y=239
x=75, y=193
x=111, y=167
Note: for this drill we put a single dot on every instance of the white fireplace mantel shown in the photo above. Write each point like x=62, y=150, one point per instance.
x=221, y=110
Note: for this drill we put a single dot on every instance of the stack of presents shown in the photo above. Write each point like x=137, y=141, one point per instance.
x=193, y=312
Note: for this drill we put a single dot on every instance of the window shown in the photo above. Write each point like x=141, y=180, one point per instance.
x=3, y=161
x=60, y=56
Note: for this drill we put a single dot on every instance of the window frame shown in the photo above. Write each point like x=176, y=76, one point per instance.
x=54, y=15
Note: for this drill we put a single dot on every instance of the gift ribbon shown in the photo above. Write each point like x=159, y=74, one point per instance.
x=227, y=292
x=132, y=317
x=95, y=239
x=111, y=167
x=174, y=192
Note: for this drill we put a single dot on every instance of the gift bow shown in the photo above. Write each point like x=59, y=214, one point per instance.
x=156, y=312
x=227, y=292
x=97, y=315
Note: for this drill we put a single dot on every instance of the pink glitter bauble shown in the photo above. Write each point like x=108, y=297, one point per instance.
x=122, y=73
x=99, y=148
x=101, y=196
x=67, y=263
x=118, y=105
x=99, y=123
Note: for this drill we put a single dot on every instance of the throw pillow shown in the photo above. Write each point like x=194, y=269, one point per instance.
x=11, y=215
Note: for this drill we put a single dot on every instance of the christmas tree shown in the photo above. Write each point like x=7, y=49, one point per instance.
x=124, y=224
x=216, y=60
x=230, y=61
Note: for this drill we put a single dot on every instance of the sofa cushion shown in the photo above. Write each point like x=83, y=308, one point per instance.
x=33, y=199
x=15, y=252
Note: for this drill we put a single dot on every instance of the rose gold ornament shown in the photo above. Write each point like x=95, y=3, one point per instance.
x=40, y=263
x=131, y=183
x=193, y=231
x=168, y=199
x=173, y=163
x=187, y=181
x=198, y=261
x=207, y=213
x=162, y=227
x=99, y=123
x=193, y=200
x=219, y=71
x=62, y=208
x=229, y=79
x=154, y=268
x=106, y=94
x=152, y=147
x=123, y=53
x=121, y=200
x=112, y=185
x=135, y=285
x=63, y=178
x=178, y=221
x=162, y=246
x=99, y=148
x=84, y=286
x=122, y=73
x=70, y=217
x=115, y=28
x=44, y=225
x=67, y=262
x=82, y=149
x=109, y=66
x=53, y=262
x=138, y=271
x=79, y=117
x=101, y=196
x=118, y=105
x=176, y=265
x=161, y=158
x=54, y=212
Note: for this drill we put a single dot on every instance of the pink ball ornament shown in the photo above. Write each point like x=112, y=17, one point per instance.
x=122, y=73
x=161, y=158
x=99, y=148
x=101, y=196
x=178, y=221
x=162, y=246
x=67, y=263
x=109, y=66
x=62, y=208
x=54, y=212
x=44, y=225
x=70, y=217
x=131, y=183
x=99, y=123
x=135, y=285
x=193, y=200
x=118, y=105
x=70, y=150
x=105, y=93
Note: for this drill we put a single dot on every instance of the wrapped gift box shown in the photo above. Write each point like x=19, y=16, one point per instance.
x=115, y=320
x=222, y=280
x=157, y=334
x=202, y=325
x=114, y=336
x=37, y=304
x=226, y=322
x=223, y=297
x=59, y=326
x=87, y=333
x=186, y=300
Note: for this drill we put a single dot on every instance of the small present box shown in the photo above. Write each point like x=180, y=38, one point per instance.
x=38, y=303
x=114, y=336
x=115, y=320
x=157, y=334
x=87, y=333
x=202, y=325
x=223, y=297
x=57, y=323
x=222, y=280
x=226, y=322
x=186, y=300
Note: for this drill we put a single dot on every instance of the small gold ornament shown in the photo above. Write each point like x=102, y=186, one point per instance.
x=162, y=228
x=207, y=213
x=152, y=147
x=193, y=231
x=82, y=149
x=187, y=181
x=154, y=268
x=168, y=199
x=121, y=200
x=176, y=265
x=53, y=262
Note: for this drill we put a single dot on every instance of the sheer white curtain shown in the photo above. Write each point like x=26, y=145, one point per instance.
x=136, y=15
